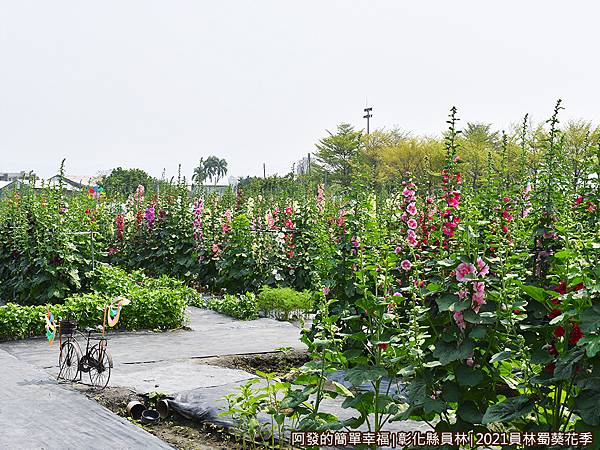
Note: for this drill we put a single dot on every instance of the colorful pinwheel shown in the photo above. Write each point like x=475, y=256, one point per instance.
x=50, y=327
x=114, y=310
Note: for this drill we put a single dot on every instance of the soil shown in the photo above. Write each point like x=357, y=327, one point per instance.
x=185, y=434
x=280, y=363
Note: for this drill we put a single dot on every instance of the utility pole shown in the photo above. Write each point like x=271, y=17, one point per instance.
x=264, y=171
x=367, y=116
x=308, y=163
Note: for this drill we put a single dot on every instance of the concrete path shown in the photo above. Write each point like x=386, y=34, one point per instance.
x=38, y=413
x=169, y=362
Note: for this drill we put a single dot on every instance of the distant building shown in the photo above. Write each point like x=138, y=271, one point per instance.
x=14, y=176
x=71, y=183
x=302, y=166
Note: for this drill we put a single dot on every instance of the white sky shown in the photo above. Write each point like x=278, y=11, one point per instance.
x=151, y=84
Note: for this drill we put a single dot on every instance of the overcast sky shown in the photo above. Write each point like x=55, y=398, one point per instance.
x=151, y=84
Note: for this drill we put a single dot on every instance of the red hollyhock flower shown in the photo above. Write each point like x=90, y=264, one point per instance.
x=554, y=313
x=559, y=331
x=576, y=334
x=561, y=288
x=578, y=200
x=382, y=346
x=550, y=367
x=578, y=287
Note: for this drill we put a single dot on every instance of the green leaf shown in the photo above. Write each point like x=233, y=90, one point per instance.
x=361, y=374
x=445, y=302
x=451, y=391
x=512, y=408
x=467, y=376
x=564, y=366
x=468, y=412
x=501, y=356
x=448, y=352
x=341, y=389
x=587, y=405
x=535, y=292
x=590, y=319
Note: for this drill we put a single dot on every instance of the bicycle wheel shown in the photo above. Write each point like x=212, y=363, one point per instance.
x=100, y=366
x=68, y=361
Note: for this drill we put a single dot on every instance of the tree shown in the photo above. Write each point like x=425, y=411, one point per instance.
x=337, y=152
x=200, y=174
x=125, y=181
x=212, y=168
x=477, y=141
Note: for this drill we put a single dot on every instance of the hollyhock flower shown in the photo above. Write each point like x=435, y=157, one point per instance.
x=120, y=222
x=458, y=178
x=462, y=293
x=526, y=212
x=550, y=367
x=150, y=215
x=591, y=207
x=470, y=362
x=579, y=199
x=406, y=264
x=506, y=199
x=554, y=313
x=578, y=287
x=559, y=331
x=408, y=193
x=412, y=238
x=289, y=224
x=227, y=214
x=215, y=248
x=412, y=224
x=561, y=287
x=412, y=208
x=383, y=345
x=463, y=270
x=288, y=210
x=448, y=229
x=478, y=295
x=504, y=229
x=452, y=201
x=398, y=250
x=88, y=211
x=397, y=294
x=576, y=335
x=404, y=216
x=429, y=200
x=484, y=269
x=270, y=220
x=459, y=320
x=225, y=228
x=527, y=189
x=326, y=291
x=320, y=197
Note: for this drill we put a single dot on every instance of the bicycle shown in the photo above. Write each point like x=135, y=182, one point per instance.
x=96, y=362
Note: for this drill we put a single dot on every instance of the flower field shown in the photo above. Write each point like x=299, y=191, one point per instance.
x=482, y=298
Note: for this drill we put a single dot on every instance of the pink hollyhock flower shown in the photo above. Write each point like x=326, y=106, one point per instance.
x=456, y=158
x=484, y=269
x=478, y=295
x=225, y=228
x=406, y=264
x=452, y=202
x=448, y=228
x=506, y=199
x=579, y=199
x=459, y=320
x=526, y=212
x=398, y=250
x=504, y=229
x=404, y=216
x=215, y=248
x=412, y=208
x=270, y=220
x=289, y=224
x=527, y=189
x=397, y=294
x=412, y=238
x=429, y=200
x=412, y=224
x=320, y=197
x=462, y=293
x=227, y=214
x=408, y=193
x=463, y=270
x=458, y=178
x=470, y=362
x=288, y=210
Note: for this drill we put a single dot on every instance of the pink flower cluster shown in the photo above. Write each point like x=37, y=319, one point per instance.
x=226, y=225
x=469, y=274
x=320, y=197
x=197, y=213
x=407, y=216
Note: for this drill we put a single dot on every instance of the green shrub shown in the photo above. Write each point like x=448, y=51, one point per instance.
x=241, y=306
x=283, y=302
x=149, y=309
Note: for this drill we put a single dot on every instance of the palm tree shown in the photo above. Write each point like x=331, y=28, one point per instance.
x=221, y=170
x=200, y=173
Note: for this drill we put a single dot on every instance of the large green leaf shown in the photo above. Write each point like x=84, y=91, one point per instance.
x=587, y=405
x=362, y=374
x=469, y=412
x=448, y=352
x=467, y=376
x=513, y=408
x=590, y=319
x=564, y=366
x=537, y=293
